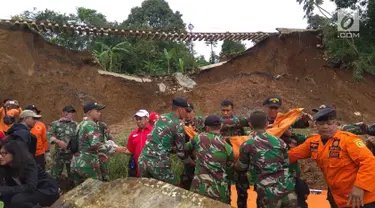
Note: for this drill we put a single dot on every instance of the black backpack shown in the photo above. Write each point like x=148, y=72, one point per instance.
x=73, y=145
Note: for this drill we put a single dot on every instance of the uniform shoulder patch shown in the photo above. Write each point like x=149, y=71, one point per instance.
x=359, y=143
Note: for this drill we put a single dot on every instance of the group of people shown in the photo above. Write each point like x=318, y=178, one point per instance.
x=216, y=151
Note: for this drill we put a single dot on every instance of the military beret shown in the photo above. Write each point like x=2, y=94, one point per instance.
x=181, y=102
x=92, y=106
x=273, y=101
x=212, y=120
x=69, y=109
x=33, y=107
x=325, y=114
x=322, y=106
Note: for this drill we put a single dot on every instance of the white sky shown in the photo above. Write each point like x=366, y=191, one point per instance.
x=205, y=15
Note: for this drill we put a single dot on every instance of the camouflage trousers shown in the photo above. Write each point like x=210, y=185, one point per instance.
x=215, y=189
x=148, y=169
x=288, y=201
x=61, y=159
x=187, y=177
x=104, y=171
x=242, y=185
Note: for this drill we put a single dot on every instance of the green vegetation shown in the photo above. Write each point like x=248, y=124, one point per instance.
x=357, y=53
x=127, y=55
x=118, y=164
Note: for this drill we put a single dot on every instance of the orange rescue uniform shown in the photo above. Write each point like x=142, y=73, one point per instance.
x=345, y=162
x=40, y=131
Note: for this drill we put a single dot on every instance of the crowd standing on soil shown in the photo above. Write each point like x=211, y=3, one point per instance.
x=216, y=151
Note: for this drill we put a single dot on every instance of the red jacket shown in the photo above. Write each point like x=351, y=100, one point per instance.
x=136, y=141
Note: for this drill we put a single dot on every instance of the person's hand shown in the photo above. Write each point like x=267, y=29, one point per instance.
x=356, y=197
x=307, y=117
x=47, y=157
x=61, y=144
x=122, y=150
x=371, y=139
x=103, y=157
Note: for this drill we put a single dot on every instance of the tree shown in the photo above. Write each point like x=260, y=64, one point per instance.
x=156, y=15
x=168, y=56
x=231, y=48
x=357, y=53
x=201, y=61
x=107, y=53
x=213, y=56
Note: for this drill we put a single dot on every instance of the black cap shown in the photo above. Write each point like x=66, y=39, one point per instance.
x=92, y=106
x=212, y=120
x=69, y=109
x=191, y=106
x=325, y=114
x=181, y=102
x=322, y=107
x=32, y=107
x=273, y=101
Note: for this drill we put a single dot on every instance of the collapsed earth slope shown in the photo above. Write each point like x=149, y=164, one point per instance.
x=34, y=71
x=289, y=65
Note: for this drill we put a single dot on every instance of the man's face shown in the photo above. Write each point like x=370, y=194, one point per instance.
x=327, y=128
x=141, y=121
x=190, y=115
x=95, y=114
x=68, y=115
x=271, y=111
x=227, y=111
x=182, y=112
x=30, y=121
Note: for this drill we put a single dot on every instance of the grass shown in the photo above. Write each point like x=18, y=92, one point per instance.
x=118, y=164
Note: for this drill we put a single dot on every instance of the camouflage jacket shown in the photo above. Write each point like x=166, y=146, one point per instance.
x=233, y=126
x=359, y=128
x=215, y=157
x=266, y=157
x=167, y=136
x=89, y=145
x=63, y=130
x=105, y=132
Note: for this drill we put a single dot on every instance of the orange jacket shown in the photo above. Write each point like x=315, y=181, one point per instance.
x=40, y=131
x=12, y=112
x=345, y=162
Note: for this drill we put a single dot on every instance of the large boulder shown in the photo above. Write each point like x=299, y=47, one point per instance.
x=134, y=193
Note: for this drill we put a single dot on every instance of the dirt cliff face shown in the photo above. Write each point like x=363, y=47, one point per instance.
x=290, y=66
x=33, y=71
x=36, y=72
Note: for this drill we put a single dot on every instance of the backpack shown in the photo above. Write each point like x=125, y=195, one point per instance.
x=8, y=120
x=73, y=145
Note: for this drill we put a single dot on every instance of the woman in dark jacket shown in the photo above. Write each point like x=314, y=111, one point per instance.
x=24, y=184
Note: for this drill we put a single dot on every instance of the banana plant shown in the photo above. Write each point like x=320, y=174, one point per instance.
x=106, y=53
x=168, y=56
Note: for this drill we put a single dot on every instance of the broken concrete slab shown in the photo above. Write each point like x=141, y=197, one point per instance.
x=134, y=193
x=184, y=80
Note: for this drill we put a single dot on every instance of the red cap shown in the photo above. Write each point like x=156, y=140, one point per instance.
x=2, y=135
x=154, y=117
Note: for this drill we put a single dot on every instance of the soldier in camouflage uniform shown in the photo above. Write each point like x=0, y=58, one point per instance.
x=197, y=124
x=105, y=135
x=234, y=126
x=60, y=133
x=166, y=137
x=85, y=163
x=272, y=107
x=266, y=157
x=214, y=162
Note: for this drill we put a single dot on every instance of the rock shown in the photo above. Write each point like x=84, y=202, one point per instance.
x=184, y=81
x=162, y=87
x=134, y=193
